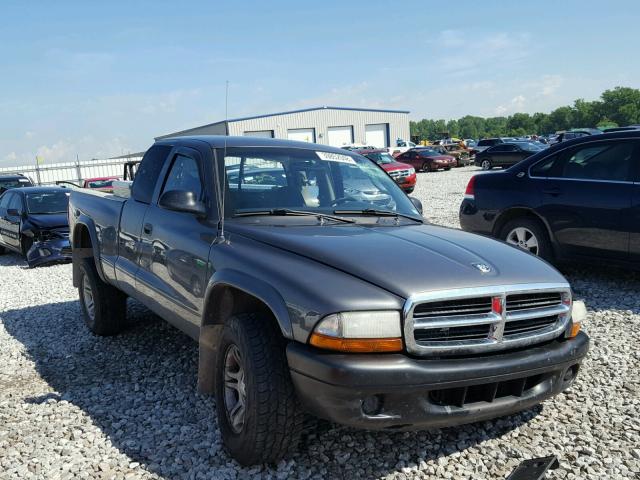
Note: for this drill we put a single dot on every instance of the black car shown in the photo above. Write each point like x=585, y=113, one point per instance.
x=34, y=223
x=577, y=200
x=14, y=181
x=506, y=154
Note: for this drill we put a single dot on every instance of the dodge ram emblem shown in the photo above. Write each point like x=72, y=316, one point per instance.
x=483, y=267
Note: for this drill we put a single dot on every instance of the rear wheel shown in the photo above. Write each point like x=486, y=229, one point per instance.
x=486, y=164
x=527, y=234
x=259, y=415
x=103, y=306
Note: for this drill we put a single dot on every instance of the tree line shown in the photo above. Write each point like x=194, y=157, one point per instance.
x=617, y=107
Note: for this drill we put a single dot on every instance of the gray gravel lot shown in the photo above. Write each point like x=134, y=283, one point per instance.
x=77, y=406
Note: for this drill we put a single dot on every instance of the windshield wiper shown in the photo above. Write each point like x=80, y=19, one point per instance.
x=281, y=212
x=377, y=213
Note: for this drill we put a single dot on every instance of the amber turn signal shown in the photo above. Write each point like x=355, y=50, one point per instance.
x=356, y=345
x=575, y=328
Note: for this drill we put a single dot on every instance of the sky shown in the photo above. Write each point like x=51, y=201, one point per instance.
x=99, y=79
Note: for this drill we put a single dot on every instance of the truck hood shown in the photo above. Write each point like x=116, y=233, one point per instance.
x=411, y=259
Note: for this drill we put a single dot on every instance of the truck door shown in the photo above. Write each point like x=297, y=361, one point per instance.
x=175, y=244
x=133, y=212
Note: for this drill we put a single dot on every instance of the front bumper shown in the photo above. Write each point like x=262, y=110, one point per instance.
x=413, y=394
x=50, y=251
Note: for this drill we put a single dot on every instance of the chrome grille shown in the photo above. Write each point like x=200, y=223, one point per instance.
x=482, y=319
x=399, y=173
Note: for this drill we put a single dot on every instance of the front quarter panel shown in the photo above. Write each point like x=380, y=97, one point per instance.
x=300, y=291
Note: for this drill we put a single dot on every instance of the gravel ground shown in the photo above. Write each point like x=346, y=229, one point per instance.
x=77, y=406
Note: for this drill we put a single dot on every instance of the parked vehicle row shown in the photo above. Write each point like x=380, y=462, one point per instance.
x=578, y=200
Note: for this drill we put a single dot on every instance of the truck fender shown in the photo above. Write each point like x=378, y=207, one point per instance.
x=211, y=330
x=78, y=252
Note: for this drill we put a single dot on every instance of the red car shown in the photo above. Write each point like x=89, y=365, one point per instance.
x=403, y=174
x=103, y=184
x=427, y=159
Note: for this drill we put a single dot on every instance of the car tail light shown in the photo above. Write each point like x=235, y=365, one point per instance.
x=470, y=191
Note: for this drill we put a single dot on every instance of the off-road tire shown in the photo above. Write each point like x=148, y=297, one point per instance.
x=273, y=418
x=545, y=249
x=109, y=303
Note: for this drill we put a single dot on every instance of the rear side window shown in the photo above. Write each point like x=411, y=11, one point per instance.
x=603, y=161
x=148, y=173
x=5, y=199
x=543, y=167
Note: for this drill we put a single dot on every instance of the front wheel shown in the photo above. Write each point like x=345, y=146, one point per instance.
x=259, y=415
x=486, y=165
x=529, y=235
x=426, y=167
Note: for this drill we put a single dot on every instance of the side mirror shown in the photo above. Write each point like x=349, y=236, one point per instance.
x=182, y=201
x=12, y=212
x=416, y=203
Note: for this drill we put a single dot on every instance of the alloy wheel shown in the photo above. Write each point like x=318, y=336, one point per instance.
x=486, y=165
x=235, y=394
x=524, y=238
x=87, y=297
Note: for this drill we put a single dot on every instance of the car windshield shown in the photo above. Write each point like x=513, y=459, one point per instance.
x=47, y=202
x=428, y=153
x=381, y=158
x=530, y=146
x=6, y=184
x=267, y=178
x=100, y=184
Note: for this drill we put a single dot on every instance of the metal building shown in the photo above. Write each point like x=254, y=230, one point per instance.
x=334, y=126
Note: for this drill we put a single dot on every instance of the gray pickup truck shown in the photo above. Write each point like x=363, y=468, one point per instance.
x=314, y=286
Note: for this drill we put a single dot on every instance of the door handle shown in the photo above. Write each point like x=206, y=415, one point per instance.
x=554, y=192
x=147, y=228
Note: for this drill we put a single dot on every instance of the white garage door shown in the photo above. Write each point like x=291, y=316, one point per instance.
x=259, y=133
x=339, y=136
x=302, y=134
x=376, y=135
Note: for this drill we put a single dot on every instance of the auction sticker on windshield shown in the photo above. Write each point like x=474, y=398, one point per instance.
x=336, y=157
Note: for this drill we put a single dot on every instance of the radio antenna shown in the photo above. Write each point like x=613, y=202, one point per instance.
x=222, y=181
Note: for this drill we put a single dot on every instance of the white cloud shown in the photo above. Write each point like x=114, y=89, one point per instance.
x=451, y=38
x=516, y=104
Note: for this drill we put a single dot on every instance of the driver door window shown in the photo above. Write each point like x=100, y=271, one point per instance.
x=184, y=175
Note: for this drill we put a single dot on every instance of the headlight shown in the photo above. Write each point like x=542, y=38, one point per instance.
x=578, y=315
x=412, y=171
x=374, y=331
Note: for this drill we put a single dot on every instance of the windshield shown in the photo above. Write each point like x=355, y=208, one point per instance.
x=100, y=184
x=530, y=146
x=47, y=202
x=14, y=183
x=428, y=153
x=265, y=178
x=381, y=158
